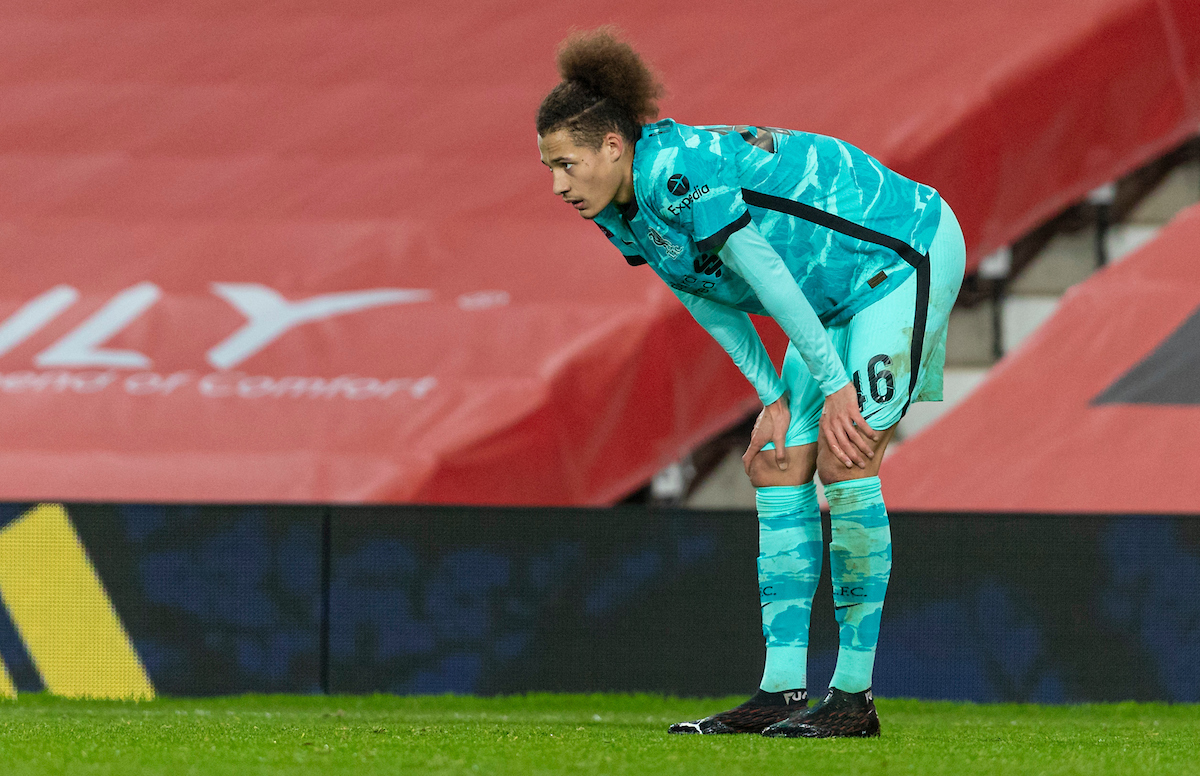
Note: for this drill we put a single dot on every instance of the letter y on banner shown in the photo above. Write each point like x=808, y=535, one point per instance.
x=270, y=316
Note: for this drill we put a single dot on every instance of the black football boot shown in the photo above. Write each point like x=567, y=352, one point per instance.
x=838, y=715
x=763, y=709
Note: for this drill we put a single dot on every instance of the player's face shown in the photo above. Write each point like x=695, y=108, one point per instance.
x=586, y=178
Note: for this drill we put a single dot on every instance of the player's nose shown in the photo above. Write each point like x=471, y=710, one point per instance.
x=561, y=185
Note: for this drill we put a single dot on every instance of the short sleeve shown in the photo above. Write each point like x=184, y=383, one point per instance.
x=697, y=190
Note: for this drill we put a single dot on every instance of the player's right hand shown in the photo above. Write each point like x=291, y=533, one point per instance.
x=771, y=426
x=842, y=428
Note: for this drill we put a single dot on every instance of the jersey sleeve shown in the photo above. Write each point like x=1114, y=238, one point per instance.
x=697, y=190
x=735, y=333
x=749, y=254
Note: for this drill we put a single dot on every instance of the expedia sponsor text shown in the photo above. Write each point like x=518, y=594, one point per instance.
x=687, y=201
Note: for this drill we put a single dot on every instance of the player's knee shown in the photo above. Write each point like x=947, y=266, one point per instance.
x=832, y=470
x=765, y=471
x=770, y=478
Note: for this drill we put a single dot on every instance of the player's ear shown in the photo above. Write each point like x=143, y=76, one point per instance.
x=613, y=145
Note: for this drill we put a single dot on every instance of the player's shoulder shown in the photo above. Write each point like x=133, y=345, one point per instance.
x=668, y=138
x=668, y=148
x=669, y=133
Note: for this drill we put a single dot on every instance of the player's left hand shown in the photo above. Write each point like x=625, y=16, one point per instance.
x=843, y=428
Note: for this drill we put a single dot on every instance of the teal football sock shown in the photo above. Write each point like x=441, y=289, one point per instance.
x=860, y=562
x=789, y=565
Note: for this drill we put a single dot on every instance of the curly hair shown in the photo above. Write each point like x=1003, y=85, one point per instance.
x=606, y=87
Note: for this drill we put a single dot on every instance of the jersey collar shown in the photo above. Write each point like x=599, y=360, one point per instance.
x=629, y=210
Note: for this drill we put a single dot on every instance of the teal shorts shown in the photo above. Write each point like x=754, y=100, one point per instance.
x=877, y=344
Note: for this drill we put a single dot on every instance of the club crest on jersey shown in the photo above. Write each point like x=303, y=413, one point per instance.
x=671, y=248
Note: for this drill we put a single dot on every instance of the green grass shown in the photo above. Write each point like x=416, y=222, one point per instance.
x=549, y=734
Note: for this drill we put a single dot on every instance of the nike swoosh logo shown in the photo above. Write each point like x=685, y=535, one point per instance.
x=847, y=606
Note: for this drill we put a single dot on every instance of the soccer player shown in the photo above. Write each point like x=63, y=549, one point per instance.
x=857, y=264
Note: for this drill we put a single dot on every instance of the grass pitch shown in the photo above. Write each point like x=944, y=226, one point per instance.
x=573, y=734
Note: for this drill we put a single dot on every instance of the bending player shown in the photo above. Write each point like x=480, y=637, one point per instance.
x=858, y=265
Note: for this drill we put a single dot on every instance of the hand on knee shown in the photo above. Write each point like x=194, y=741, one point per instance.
x=832, y=469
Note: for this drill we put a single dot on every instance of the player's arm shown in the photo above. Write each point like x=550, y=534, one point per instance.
x=733, y=330
x=748, y=253
x=735, y=333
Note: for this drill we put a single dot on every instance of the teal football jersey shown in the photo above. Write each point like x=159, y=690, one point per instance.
x=848, y=229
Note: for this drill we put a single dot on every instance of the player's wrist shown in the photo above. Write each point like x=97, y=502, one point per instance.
x=780, y=402
x=838, y=388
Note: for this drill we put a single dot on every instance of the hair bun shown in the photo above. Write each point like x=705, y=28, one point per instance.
x=607, y=66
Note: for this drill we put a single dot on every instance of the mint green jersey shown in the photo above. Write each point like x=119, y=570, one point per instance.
x=848, y=229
